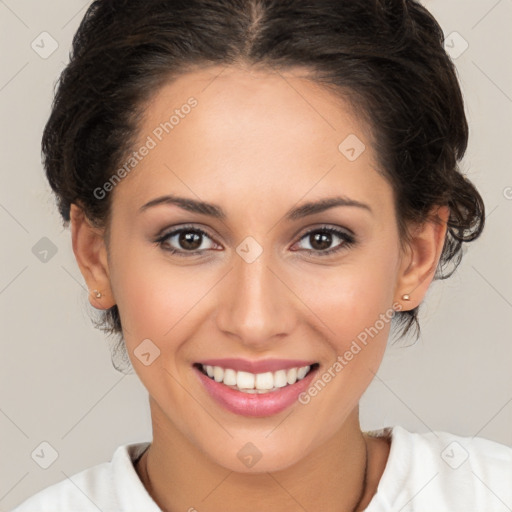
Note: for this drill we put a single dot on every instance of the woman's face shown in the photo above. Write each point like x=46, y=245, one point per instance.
x=259, y=282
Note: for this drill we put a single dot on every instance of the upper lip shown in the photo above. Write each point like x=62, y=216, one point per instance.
x=262, y=366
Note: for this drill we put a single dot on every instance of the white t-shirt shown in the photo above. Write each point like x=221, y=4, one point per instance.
x=432, y=472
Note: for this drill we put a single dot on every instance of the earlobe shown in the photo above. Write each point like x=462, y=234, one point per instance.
x=421, y=258
x=91, y=255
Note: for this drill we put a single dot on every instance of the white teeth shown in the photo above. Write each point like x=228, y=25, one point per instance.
x=301, y=372
x=256, y=383
x=245, y=380
x=264, y=380
x=218, y=373
x=280, y=379
x=230, y=377
x=291, y=375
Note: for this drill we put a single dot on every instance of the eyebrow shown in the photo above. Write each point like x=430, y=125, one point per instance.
x=204, y=208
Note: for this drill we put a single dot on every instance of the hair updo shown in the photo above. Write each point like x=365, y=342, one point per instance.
x=386, y=56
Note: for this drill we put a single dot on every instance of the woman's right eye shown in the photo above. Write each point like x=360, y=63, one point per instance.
x=186, y=241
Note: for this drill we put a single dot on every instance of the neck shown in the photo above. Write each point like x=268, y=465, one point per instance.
x=342, y=474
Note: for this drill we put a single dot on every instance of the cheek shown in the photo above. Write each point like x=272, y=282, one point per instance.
x=151, y=293
x=160, y=302
x=154, y=295
x=351, y=297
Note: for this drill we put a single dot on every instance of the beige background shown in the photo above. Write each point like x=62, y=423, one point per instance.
x=57, y=382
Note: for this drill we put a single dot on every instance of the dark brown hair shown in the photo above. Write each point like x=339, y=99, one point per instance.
x=386, y=55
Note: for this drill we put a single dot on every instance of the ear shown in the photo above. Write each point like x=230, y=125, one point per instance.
x=420, y=258
x=91, y=255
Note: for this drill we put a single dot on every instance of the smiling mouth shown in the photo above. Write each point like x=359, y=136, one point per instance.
x=253, y=383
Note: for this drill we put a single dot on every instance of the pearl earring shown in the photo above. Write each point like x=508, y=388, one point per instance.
x=97, y=294
x=406, y=296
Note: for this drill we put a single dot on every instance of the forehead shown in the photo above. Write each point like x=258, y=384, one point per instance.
x=218, y=131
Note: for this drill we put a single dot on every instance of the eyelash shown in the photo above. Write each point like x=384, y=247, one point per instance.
x=348, y=240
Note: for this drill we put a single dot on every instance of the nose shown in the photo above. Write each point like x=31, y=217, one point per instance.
x=255, y=304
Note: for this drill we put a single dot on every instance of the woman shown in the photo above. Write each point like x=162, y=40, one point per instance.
x=257, y=190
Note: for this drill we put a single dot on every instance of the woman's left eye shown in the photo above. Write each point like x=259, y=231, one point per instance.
x=188, y=241
x=320, y=240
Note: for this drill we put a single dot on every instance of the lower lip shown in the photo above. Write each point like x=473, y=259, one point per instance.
x=254, y=404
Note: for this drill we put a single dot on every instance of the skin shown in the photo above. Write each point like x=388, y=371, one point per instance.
x=257, y=144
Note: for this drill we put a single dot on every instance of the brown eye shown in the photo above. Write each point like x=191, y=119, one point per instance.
x=327, y=240
x=186, y=241
x=190, y=240
x=320, y=241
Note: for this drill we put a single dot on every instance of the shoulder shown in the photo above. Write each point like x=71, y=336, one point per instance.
x=444, y=472
x=110, y=486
